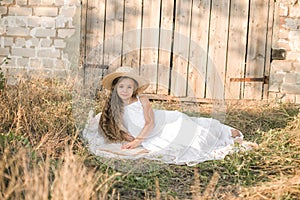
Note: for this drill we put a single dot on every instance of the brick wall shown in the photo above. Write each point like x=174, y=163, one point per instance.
x=39, y=36
x=285, y=74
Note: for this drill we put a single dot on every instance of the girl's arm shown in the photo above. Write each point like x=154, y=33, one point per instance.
x=149, y=124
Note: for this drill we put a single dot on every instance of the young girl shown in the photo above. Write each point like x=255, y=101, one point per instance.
x=128, y=118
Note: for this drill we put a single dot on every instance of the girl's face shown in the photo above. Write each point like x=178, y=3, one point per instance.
x=125, y=89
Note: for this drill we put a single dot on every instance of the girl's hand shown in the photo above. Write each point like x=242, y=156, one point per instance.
x=128, y=138
x=131, y=145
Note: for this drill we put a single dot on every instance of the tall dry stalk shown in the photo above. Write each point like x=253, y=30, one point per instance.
x=209, y=190
x=25, y=177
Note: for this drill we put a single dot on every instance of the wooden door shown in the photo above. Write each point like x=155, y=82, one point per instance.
x=190, y=49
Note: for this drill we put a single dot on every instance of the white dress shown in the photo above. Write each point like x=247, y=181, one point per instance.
x=176, y=137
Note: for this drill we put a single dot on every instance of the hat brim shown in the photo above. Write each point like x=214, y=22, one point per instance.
x=108, y=80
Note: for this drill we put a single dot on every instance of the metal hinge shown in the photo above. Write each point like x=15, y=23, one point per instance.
x=265, y=79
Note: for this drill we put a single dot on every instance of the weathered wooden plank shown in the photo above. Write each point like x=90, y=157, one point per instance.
x=84, y=10
x=236, y=48
x=217, y=50
x=268, y=46
x=113, y=33
x=150, y=42
x=256, y=48
x=94, y=31
x=132, y=33
x=181, y=48
x=165, y=47
x=198, y=48
x=94, y=41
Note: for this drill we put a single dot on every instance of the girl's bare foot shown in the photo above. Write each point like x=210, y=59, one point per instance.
x=246, y=144
x=237, y=136
x=249, y=145
x=235, y=133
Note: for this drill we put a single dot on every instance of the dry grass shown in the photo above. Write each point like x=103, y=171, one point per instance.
x=42, y=155
x=25, y=176
x=40, y=146
x=38, y=112
x=284, y=188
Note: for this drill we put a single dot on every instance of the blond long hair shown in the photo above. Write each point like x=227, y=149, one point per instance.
x=111, y=120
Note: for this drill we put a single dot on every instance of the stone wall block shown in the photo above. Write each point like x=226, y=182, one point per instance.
x=290, y=88
x=21, y=21
x=34, y=21
x=21, y=2
x=2, y=30
x=292, y=78
x=48, y=63
x=25, y=52
x=294, y=11
x=20, y=11
x=275, y=87
x=46, y=11
x=48, y=2
x=3, y=10
x=277, y=77
x=297, y=101
x=297, y=67
x=294, y=37
x=43, y=32
x=48, y=22
x=283, y=10
x=18, y=31
x=65, y=33
x=280, y=66
x=20, y=42
x=48, y=53
x=283, y=34
x=293, y=56
x=59, y=43
x=285, y=44
x=7, y=41
x=70, y=23
x=8, y=21
x=60, y=22
x=59, y=3
x=32, y=42
x=288, y=2
x=22, y=62
x=34, y=2
x=45, y=42
x=76, y=3
x=291, y=23
x=35, y=63
x=67, y=11
x=4, y=51
x=6, y=2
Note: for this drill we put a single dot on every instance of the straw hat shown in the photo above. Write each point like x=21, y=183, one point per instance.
x=128, y=72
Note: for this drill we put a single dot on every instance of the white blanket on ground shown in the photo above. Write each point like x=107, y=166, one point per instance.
x=98, y=146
